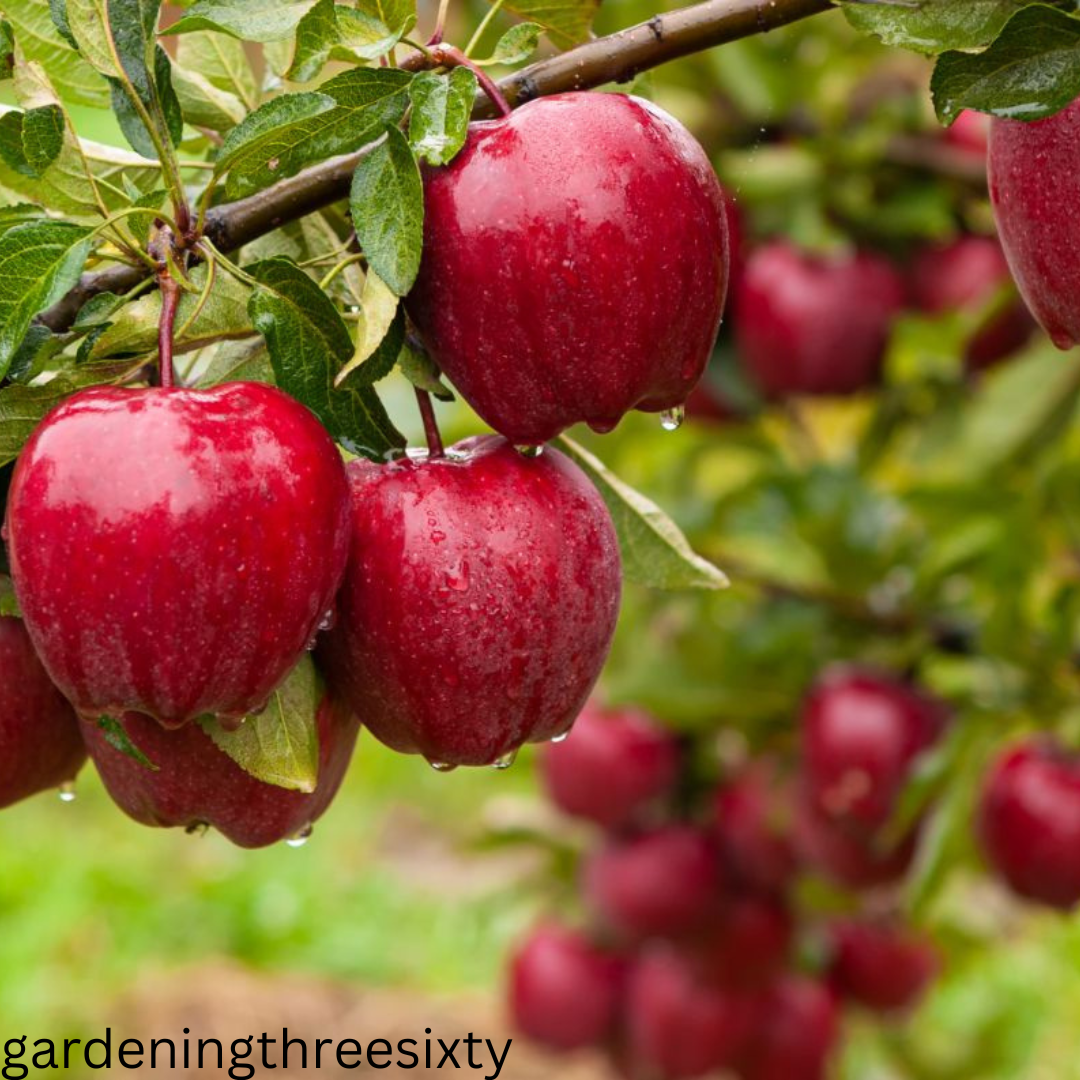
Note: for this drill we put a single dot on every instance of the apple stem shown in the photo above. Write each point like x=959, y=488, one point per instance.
x=449, y=56
x=431, y=425
x=170, y=300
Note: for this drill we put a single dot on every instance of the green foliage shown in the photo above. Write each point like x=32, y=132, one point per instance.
x=441, y=108
x=566, y=21
x=267, y=22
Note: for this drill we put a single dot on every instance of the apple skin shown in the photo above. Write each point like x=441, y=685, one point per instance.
x=566, y=993
x=969, y=131
x=861, y=733
x=197, y=784
x=1029, y=823
x=966, y=273
x=1034, y=175
x=614, y=764
x=748, y=946
x=882, y=967
x=40, y=744
x=479, y=602
x=851, y=861
x=808, y=324
x=795, y=1032
x=575, y=264
x=175, y=551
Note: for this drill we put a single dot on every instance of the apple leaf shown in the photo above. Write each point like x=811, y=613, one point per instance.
x=204, y=104
x=39, y=262
x=9, y=602
x=516, y=45
x=230, y=361
x=655, y=553
x=243, y=19
x=117, y=737
x=1031, y=71
x=441, y=107
x=7, y=49
x=280, y=745
x=221, y=61
x=567, y=22
x=316, y=34
x=387, y=204
x=376, y=347
x=365, y=37
x=416, y=365
x=309, y=344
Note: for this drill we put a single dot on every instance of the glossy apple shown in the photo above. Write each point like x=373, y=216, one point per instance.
x=175, y=551
x=614, y=765
x=196, y=784
x=1029, y=822
x=664, y=883
x=479, y=602
x=1034, y=175
x=40, y=744
x=564, y=991
x=748, y=945
x=814, y=324
x=575, y=264
x=795, y=1033
x=968, y=274
x=880, y=966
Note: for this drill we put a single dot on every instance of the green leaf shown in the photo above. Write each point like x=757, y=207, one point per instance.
x=243, y=19
x=379, y=311
x=416, y=365
x=117, y=737
x=221, y=61
x=230, y=361
x=9, y=603
x=516, y=45
x=1031, y=71
x=568, y=22
x=316, y=34
x=398, y=16
x=19, y=214
x=441, y=107
x=280, y=745
x=387, y=205
x=380, y=361
x=364, y=37
x=39, y=262
x=7, y=49
x=309, y=344
x=935, y=26
x=272, y=144
x=205, y=105
x=654, y=552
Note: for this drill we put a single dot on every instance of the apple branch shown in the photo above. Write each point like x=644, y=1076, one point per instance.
x=615, y=58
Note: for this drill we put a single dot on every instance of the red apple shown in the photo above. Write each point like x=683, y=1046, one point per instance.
x=749, y=944
x=40, y=745
x=575, y=264
x=664, y=883
x=795, y=1033
x=175, y=551
x=969, y=131
x=1034, y=175
x=197, y=784
x=814, y=324
x=861, y=734
x=1029, y=822
x=479, y=601
x=564, y=991
x=678, y=1025
x=852, y=861
x=882, y=967
x=968, y=274
x=611, y=767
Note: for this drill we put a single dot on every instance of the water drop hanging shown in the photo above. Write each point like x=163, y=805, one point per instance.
x=505, y=761
x=561, y=738
x=301, y=838
x=671, y=419
x=442, y=766
x=530, y=451
x=66, y=791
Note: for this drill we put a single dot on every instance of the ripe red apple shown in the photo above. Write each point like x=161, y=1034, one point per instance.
x=967, y=274
x=969, y=131
x=754, y=821
x=611, y=767
x=564, y=991
x=852, y=861
x=575, y=264
x=861, y=733
x=479, y=602
x=1029, y=822
x=749, y=944
x=197, y=784
x=664, y=883
x=175, y=551
x=814, y=324
x=1034, y=175
x=40, y=744
x=795, y=1033
x=882, y=967
x=678, y=1025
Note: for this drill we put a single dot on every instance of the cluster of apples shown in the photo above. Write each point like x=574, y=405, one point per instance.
x=690, y=960
x=175, y=552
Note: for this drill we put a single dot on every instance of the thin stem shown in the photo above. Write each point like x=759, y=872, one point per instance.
x=211, y=274
x=485, y=22
x=451, y=56
x=431, y=425
x=170, y=300
x=227, y=265
x=440, y=23
x=354, y=258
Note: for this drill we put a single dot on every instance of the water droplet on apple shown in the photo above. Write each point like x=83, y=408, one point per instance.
x=671, y=419
x=442, y=766
x=561, y=738
x=530, y=451
x=301, y=838
x=505, y=761
x=457, y=577
x=66, y=791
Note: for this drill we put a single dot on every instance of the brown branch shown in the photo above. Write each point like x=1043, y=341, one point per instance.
x=615, y=58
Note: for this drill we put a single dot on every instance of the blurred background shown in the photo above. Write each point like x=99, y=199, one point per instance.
x=927, y=525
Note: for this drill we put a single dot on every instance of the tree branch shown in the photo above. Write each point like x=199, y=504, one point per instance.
x=615, y=58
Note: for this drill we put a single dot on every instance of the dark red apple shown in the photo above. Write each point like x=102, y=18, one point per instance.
x=479, y=602
x=1034, y=175
x=564, y=991
x=795, y=1033
x=175, y=551
x=575, y=264
x=749, y=944
x=969, y=131
x=679, y=1026
x=40, y=744
x=613, y=765
x=814, y=324
x=861, y=734
x=665, y=883
x=1029, y=822
x=882, y=967
x=852, y=861
x=197, y=784
x=967, y=274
